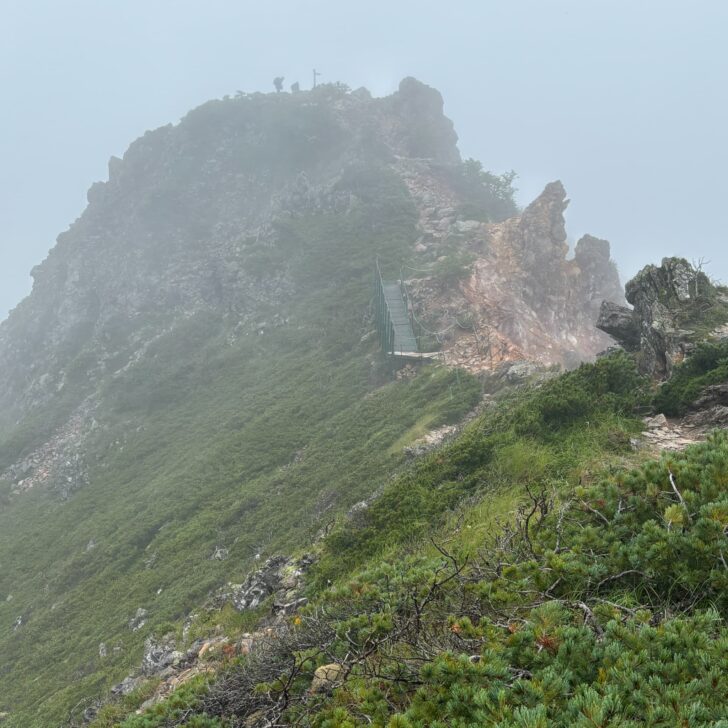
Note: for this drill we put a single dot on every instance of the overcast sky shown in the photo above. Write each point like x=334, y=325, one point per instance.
x=625, y=101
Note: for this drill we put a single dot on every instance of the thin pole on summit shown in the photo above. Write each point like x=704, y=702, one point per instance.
x=316, y=74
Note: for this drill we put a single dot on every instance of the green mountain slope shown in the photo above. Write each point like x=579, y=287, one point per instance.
x=195, y=387
x=213, y=421
x=599, y=599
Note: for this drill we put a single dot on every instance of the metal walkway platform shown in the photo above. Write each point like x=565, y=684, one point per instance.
x=395, y=322
x=404, y=336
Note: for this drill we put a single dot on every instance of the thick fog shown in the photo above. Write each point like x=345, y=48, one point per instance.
x=625, y=102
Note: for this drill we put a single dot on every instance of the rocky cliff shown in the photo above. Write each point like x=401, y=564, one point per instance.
x=188, y=221
x=518, y=296
x=193, y=383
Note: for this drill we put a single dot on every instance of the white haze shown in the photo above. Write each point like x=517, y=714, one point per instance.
x=624, y=101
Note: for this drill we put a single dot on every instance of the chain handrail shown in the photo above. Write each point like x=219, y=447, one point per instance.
x=417, y=326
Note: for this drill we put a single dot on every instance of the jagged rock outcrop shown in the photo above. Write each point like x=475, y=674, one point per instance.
x=668, y=301
x=519, y=298
x=280, y=577
x=540, y=240
x=160, y=654
x=659, y=295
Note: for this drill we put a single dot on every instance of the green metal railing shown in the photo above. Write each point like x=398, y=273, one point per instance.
x=385, y=327
x=398, y=327
x=412, y=336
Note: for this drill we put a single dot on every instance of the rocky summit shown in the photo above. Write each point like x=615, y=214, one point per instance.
x=191, y=220
x=225, y=502
x=199, y=218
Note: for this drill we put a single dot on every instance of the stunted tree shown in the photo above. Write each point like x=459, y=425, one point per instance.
x=278, y=83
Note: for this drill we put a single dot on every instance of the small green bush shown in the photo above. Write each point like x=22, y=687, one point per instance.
x=708, y=364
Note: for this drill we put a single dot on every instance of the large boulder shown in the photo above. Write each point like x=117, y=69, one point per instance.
x=620, y=323
x=666, y=300
x=326, y=678
x=160, y=654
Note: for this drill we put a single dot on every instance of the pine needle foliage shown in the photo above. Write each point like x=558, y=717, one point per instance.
x=707, y=365
x=592, y=609
x=598, y=603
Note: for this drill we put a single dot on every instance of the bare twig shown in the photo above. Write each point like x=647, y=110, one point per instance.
x=595, y=512
x=674, y=487
x=589, y=617
x=618, y=576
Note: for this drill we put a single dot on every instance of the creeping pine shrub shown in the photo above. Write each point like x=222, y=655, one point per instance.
x=600, y=604
x=562, y=424
x=603, y=608
x=707, y=365
x=611, y=384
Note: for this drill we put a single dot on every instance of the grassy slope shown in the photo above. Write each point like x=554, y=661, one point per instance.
x=197, y=449
x=463, y=494
x=554, y=434
x=606, y=609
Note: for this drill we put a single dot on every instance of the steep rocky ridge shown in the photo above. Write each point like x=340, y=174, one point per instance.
x=187, y=221
x=187, y=214
x=194, y=372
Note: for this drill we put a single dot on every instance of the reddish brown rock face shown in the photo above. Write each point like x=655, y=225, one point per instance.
x=523, y=299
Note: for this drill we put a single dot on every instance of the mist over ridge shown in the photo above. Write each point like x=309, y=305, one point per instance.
x=624, y=104
x=375, y=366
